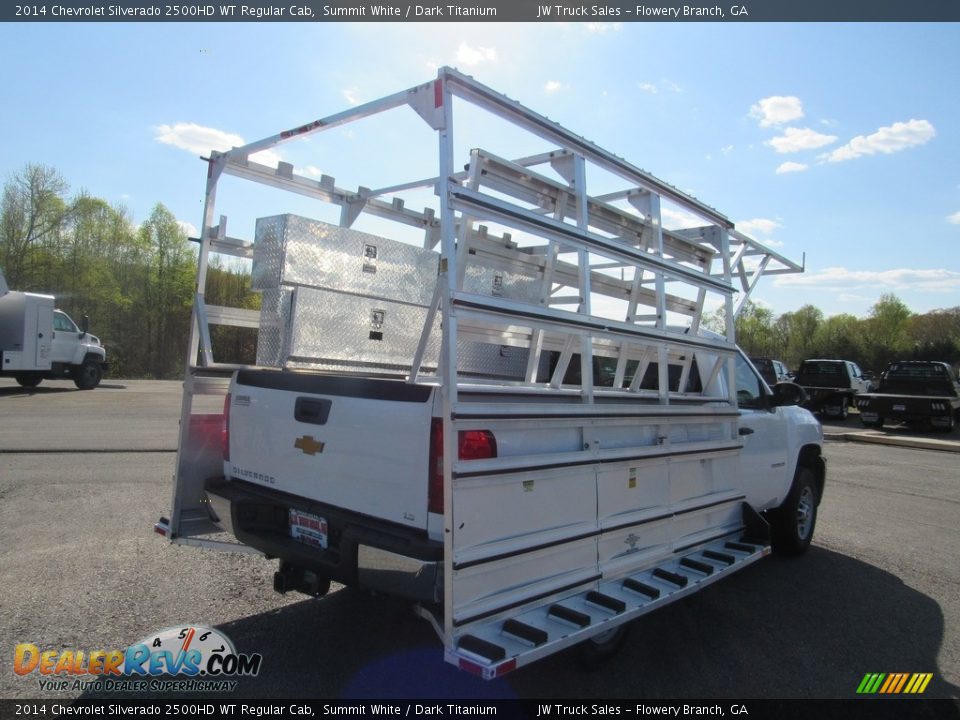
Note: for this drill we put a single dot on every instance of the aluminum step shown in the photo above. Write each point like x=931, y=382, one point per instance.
x=495, y=646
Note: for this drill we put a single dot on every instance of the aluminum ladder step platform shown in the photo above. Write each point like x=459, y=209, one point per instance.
x=495, y=647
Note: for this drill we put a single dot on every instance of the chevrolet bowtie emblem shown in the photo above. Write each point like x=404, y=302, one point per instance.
x=308, y=445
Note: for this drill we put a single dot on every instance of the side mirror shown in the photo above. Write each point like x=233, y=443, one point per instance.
x=786, y=394
x=84, y=325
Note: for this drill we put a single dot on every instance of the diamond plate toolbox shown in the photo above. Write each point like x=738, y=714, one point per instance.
x=328, y=325
x=293, y=250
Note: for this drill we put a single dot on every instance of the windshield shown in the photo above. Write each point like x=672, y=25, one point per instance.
x=820, y=368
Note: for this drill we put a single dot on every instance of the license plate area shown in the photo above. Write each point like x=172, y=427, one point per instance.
x=308, y=528
x=900, y=408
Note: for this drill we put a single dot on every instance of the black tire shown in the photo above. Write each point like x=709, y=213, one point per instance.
x=841, y=413
x=88, y=375
x=28, y=381
x=792, y=524
x=949, y=427
x=594, y=653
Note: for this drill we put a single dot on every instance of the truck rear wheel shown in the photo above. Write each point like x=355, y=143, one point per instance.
x=842, y=410
x=28, y=381
x=595, y=652
x=792, y=523
x=88, y=375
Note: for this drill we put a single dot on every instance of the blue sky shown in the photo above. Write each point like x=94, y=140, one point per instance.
x=837, y=141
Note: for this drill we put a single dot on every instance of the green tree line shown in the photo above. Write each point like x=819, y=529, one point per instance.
x=135, y=282
x=890, y=332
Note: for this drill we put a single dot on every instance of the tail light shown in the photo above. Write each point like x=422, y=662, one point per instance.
x=226, y=427
x=471, y=445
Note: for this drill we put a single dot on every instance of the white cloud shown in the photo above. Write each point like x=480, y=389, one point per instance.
x=798, y=139
x=760, y=229
x=843, y=280
x=654, y=88
x=886, y=140
x=954, y=219
x=602, y=27
x=196, y=138
x=189, y=229
x=473, y=56
x=727, y=149
x=266, y=157
x=553, y=86
x=674, y=219
x=200, y=140
x=350, y=95
x=776, y=110
x=757, y=226
x=790, y=167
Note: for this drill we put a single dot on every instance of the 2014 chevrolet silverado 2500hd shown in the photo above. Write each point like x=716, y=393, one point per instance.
x=502, y=406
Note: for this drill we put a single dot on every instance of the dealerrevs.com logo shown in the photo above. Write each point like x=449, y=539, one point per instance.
x=177, y=659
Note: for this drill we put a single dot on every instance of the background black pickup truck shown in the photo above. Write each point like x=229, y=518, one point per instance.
x=831, y=385
x=915, y=392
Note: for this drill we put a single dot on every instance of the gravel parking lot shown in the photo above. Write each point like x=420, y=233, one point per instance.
x=84, y=475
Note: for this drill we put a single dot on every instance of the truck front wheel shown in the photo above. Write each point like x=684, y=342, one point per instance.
x=88, y=375
x=792, y=523
x=28, y=381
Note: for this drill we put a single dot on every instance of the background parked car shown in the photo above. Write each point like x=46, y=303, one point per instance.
x=773, y=371
x=831, y=385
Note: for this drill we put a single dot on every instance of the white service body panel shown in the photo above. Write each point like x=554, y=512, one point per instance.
x=26, y=331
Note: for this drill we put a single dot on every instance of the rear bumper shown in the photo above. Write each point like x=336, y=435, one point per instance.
x=935, y=410
x=362, y=551
x=819, y=398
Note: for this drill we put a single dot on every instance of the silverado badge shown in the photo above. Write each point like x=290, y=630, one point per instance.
x=308, y=445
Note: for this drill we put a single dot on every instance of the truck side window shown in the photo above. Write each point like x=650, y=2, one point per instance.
x=63, y=323
x=749, y=389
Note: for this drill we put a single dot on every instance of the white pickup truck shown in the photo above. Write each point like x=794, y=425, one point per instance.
x=496, y=421
x=341, y=477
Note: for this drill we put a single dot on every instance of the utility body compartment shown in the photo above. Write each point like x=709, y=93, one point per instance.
x=512, y=417
x=26, y=331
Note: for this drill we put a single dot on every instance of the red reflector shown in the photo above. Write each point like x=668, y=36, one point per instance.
x=477, y=445
x=226, y=427
x=435, y=470
x=471, y=445
x=470, y=667
x=504, y=668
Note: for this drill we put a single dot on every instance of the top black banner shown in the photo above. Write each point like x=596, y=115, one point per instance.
x=483, y=11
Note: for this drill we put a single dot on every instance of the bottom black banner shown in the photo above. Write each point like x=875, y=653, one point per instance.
x=872, y=709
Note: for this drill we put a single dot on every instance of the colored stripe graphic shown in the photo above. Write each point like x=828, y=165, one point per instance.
x=870, y=683
x=894, y=683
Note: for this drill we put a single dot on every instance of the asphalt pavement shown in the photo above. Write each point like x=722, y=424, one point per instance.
x=84, y=475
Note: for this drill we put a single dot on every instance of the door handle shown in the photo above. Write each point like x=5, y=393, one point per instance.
x=745, y=431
